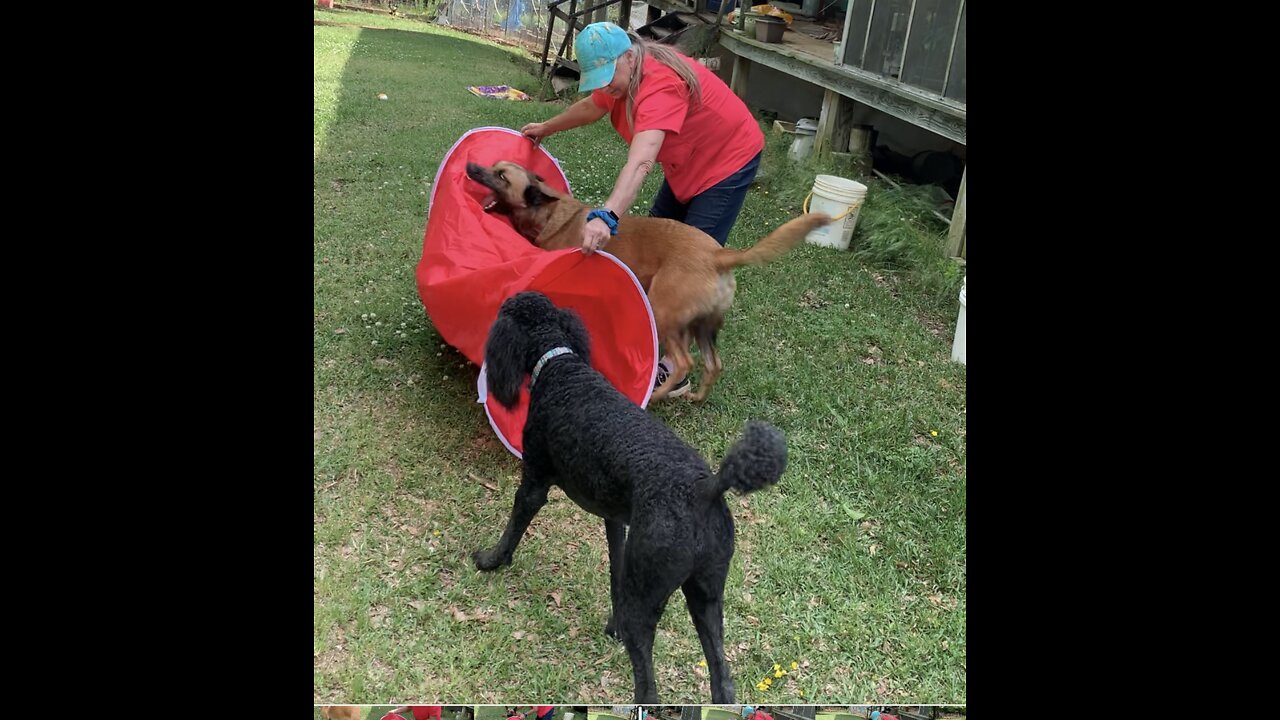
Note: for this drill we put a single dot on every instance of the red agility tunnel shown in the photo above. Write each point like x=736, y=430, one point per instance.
x=472, y=261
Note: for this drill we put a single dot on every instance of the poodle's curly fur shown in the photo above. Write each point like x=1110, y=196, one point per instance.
x=666, y=519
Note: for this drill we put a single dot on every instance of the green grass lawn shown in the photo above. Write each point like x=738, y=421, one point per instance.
x=853, y=567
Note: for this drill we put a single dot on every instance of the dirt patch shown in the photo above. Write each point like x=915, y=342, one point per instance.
x=329, y=661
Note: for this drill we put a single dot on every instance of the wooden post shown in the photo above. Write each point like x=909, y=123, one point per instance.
x=834, y=124
x=860, y=148
x=741, y=72
x=571, y=25
x=546, y=47
x=956, y=238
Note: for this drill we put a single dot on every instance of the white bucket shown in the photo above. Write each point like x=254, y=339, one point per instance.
x=841, y=199
x=957, y=347
x=806, y=130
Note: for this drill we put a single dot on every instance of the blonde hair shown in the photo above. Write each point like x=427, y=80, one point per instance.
x=665, y=55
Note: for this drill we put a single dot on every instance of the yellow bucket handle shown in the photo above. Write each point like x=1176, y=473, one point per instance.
x=850, y=209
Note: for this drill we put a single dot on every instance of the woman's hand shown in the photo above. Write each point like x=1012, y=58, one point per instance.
x=537, y=132
x=594, y=235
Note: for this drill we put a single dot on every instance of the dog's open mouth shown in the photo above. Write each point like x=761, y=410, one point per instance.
x=478, y=174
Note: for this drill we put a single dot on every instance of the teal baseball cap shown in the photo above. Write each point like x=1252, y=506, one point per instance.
x=598, y=48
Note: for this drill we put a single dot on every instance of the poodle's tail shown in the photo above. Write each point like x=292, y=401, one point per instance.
x=753, y=463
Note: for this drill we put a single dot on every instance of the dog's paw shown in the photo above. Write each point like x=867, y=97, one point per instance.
x=611, y=630
x=486, y=560
x=724, y=694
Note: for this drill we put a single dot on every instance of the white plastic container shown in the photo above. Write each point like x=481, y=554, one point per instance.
x=957, y=347
x=806, y=130
x=836, y=196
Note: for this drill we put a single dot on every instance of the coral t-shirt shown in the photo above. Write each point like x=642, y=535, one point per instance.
x=422, y=712
x=705, y=142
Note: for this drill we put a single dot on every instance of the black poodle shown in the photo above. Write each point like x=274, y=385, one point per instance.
x=665, y=516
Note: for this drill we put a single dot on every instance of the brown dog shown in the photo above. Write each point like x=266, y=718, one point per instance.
x=340, y=712
x=688, y=276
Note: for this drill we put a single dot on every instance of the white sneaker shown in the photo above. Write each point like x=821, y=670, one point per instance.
x=664, y=371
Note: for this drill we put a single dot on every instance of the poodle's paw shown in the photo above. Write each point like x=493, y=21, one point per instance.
x=611, y=630
x=489, y=559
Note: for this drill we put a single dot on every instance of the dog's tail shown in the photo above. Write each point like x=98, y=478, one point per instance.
x=772, y=247
x=755, y=462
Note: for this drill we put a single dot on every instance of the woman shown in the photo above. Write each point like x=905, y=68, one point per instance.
x=672, y=110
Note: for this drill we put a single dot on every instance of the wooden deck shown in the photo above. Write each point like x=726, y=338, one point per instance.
x=812, y=60
x=802, y=37
x=803, y=56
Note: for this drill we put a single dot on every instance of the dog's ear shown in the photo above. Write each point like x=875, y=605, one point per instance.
x=533, y=194
x=504, y=358
x=575, y=333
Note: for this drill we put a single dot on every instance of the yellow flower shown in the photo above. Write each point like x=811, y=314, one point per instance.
x=702, y=663
x=761, y=686
x=933, y=433
x=795, y=665
x=777, y=667
x=436, y=533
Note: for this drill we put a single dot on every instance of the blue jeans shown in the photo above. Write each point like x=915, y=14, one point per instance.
x=714, y=210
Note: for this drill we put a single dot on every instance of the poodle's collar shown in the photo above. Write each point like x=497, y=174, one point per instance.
x=537, y=367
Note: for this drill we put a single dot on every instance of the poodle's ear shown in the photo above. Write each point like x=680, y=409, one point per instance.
x=504, y=358
x=575, y=333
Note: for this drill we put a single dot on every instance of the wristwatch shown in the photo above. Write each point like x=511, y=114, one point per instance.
x=608, y=216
